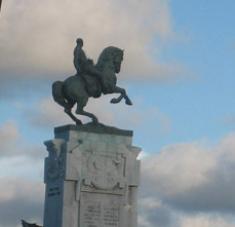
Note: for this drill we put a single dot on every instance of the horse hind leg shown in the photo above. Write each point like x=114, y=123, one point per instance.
x=59, y=97
x=70, y=114
x=80, y=111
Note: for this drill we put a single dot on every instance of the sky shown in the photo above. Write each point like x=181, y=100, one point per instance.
x=178, y=69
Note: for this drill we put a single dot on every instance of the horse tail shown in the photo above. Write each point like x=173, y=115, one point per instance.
x=58, y=94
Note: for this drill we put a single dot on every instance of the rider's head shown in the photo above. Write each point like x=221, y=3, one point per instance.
x=79, y=42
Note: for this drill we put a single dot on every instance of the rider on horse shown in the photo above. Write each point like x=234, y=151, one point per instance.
x=90, y=81
x=87, y=70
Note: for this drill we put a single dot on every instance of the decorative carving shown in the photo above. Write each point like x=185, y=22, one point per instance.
x=104, y=171
x=55, y=161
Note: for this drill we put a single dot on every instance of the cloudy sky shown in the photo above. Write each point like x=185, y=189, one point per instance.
x=178, y=70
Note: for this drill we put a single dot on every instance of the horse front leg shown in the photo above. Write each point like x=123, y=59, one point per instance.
x=123, y=94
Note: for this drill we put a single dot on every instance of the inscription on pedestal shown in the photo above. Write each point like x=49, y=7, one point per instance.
x=53, y=191
x=98, y=210
x=111, y=216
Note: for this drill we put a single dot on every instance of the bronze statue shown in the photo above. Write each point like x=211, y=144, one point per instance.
x=90, y=81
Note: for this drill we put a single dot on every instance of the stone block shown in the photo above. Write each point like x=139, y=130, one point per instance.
x=91, y=177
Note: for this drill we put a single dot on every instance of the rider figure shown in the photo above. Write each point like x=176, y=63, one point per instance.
x=84, y=65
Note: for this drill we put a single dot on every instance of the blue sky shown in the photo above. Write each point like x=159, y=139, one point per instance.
x=198, y=107
x=178, y=69
x=198, y=104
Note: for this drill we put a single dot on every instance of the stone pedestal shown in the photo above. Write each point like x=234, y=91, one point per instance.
x=91, y=177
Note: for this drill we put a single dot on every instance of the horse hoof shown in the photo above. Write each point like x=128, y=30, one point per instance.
x=95, y=121
x=128, y=102
x=78, y=122
x=114, y=101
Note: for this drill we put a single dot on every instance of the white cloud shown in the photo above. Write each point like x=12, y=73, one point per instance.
x=37, y=37
x=9, y=137
x=9, y=131
x=10, y=189
x=206, y=221
x=13, y=144
x=152, y=213
x=49, y=114
x=180, y=167
x=193, y=177
x=21, y=165
x=20, y=199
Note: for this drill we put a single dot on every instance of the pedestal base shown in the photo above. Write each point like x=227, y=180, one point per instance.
x=91, y=177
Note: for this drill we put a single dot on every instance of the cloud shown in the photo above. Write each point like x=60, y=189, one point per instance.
x=185, y=185
x=193, y=177
x=13, y=144
x=153, y=213
x=20, y=199
x=48, y=114
x=9, y=136
x=190, y=184
x=179, y=168
x=21, y=196
x=206, y=221
x=37, y=37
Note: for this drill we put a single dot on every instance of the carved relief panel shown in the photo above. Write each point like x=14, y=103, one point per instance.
x=104, y=171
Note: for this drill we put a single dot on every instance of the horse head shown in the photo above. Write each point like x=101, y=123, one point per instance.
x=110, y=57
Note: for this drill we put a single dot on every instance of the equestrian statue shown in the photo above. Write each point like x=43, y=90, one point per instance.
x=91, y=80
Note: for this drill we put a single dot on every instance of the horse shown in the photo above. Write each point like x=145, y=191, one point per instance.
x=77, y=89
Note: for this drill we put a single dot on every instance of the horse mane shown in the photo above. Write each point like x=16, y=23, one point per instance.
x=107, y=55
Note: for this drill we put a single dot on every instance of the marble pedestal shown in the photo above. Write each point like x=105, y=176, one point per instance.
x=91, y=177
